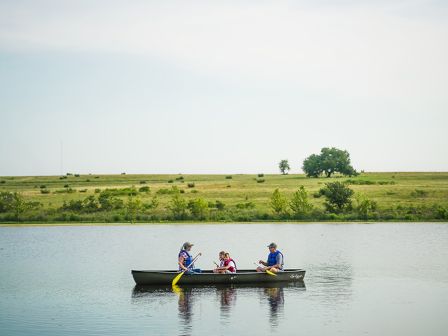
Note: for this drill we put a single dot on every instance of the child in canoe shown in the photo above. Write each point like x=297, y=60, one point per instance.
x=229, y=265
x=221, y=262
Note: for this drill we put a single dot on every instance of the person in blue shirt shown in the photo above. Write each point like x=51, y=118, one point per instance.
x=274, y=262
x=185, y=259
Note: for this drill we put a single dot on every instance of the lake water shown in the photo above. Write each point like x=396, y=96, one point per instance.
x=362, y=279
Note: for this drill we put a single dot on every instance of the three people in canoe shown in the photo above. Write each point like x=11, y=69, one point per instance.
x=274, y=262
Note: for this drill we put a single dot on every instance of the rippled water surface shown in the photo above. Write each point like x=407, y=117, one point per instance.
x=362, y=279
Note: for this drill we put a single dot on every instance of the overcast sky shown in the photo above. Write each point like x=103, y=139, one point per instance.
x=221, y=86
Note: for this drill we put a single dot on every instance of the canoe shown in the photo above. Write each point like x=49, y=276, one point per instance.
x=209, y=278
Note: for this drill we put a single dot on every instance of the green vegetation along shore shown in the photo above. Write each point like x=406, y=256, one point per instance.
x=157, y=198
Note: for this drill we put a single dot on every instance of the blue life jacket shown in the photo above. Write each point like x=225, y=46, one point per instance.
x=272, y=258
x=188, y=260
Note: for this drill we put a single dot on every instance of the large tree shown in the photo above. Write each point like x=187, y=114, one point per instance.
x=338, y=197
x=329, y=161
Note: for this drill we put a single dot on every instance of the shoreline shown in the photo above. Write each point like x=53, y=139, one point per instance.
x=59, y=224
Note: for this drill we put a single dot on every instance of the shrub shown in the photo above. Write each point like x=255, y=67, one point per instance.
x=133, y=205
x=44, y=191
x=229, y=177
x=385, y=182
x=2, y=182
x=69, y=174
x=179, y=178
x=278, y=202
x=299, y=203
x=64, y=191
x=260, y=180
x=66, y=186
x=191, y=185
x=441, y=212
x=123, y=173
x=246, y=205
x=182, y=191
x=260, y=175
x=116, y=218
x=219, y=205
x=43, y=186
x=198, y=208
x=129, y=191
x=142, y=182
x=419, y=193
x=97, y=191
x=338, y=197
x=360, y=182
x=194, y=191
x=228, y=186
x=170, y=181
x=109, y=201
x=77, y=175
x=178, y=207
x=62, y=177
x=82, y=190
x=97, y=177
x=364, y=206
x=172, y=190
x=144, y=189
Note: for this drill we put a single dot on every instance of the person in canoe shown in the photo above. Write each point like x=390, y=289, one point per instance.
x=229, y=265
x=185, y=259
x=221, y=262
x=274, y=262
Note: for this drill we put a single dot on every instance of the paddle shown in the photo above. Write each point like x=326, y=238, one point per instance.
x=177, y=278
x=267, y=271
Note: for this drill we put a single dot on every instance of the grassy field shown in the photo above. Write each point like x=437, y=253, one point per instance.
x=400, y=196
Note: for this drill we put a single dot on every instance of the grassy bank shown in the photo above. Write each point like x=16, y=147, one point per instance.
x=149, y=198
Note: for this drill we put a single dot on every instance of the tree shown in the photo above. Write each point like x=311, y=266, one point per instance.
x=284, y=167
x=338, y=197
x=178, y=206
x=198, y=208
x=278, y=202
x=312, y=166
x=133, y=205
x=300, y=204
x=329, y=161
x=6, y=201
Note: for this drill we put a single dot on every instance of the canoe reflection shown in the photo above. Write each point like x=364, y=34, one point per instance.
x=271, y=294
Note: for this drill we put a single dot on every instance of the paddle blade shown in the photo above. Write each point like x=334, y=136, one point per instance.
x=176, y=289
x=270, y=273
x=177, y=278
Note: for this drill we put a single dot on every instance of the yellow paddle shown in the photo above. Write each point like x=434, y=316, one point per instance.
x=177, y=278
x=267, y=271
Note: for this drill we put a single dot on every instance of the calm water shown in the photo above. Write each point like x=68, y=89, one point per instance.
x=362, y=279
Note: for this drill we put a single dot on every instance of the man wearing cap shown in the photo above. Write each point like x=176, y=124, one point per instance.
x=274, y=262
x=185, y=259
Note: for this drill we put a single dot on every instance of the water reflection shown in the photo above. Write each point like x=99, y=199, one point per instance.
x=270, y=295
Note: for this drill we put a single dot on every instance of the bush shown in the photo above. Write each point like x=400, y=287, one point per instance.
x=419, y=193
x=359, y=182
x=182, y=191
x=198, y=208
x=2, y=182
x=278, y=202
x=130, y=191
x=97, y=177
x=82, y=190
x=142, y=182
x=170, y=181
x=194, y=191
x=66, y=186
x=260, y=175
x=77, y=175
x=97, y=191
x=44, y=191
x=179, y=178
x=246, y=205
x=229, y=177
x=178, y=207
x=299, y=203
x=64, y=191
x=260, y=180
x=109, y=201
x=338, y=197
x=219, y=205
x=43, y=186
x=144, y=189
x=164, y=191
x=62, y=177
x=228, y=186
x=191, y=185
x=365, y=207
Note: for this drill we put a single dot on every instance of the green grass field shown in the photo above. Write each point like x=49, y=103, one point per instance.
x=403, y=196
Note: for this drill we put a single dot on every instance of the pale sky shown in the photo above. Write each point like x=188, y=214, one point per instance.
x=221, y=86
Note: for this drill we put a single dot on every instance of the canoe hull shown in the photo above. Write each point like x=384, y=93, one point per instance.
x=210, y=278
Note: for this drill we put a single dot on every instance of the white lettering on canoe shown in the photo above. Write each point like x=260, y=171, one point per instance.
x=296, y=276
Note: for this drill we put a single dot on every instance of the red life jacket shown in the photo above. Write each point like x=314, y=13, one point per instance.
x=231, y=268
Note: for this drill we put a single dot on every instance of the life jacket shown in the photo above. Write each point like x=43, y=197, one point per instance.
x=231, y=268
x=272, y=258
x=187, y=260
